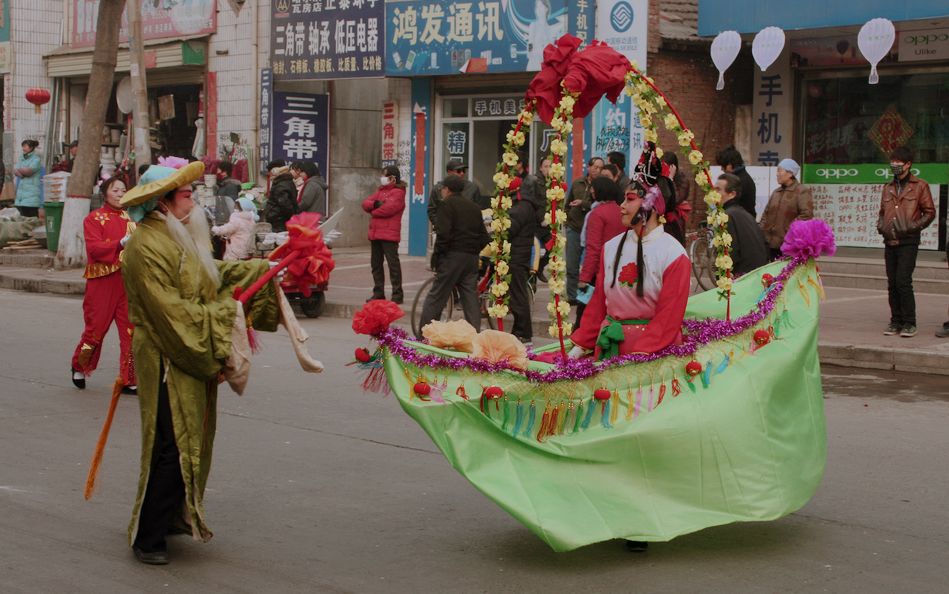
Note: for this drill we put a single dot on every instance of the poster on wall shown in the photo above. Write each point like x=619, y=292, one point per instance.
x=160, y=20
x=327, y=39
x=390, y=133
x=266, y=99
x=300, y=129
x=428, y=37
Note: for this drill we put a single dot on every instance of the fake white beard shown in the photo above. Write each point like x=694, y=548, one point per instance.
x=194, y=237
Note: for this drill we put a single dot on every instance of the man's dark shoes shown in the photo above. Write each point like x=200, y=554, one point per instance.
x=130, y=390
x=397, y=299
x=892, y=330
x=154, y=558
x=636, y=546
x=78, y=379
x=944, y=331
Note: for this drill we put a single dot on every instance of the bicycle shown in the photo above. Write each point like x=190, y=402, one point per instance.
x=486, y=298
x=702, y=255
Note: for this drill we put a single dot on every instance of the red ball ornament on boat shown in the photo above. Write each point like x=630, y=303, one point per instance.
x=493, y=392
x=38, y=97
x=693, y=368
x=362, y=355
x=422, y=388
x=602, y=394
x=767, y=279
x=762, y=337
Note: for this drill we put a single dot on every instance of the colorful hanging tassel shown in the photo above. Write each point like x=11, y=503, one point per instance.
x=706, y=374
x=577, y=416
x=614, y=413
x=561, y=418
x=605, y=418
x=723, y=365
x=807, y=298
x=818, y=287
x=786, y=319
x=460, y=392
x=676, y=387
x=519, y=419
x=506, y=418
x=652, y=397
x=638, y=405
x=662, y=394
x=631, y=406
x=544, y=423
x=589, y=416
x=531, y=417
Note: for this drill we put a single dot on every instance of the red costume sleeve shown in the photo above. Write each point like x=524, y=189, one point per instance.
x=666, y=326
x=594, y=249
x=593, y=314
x=101, y=243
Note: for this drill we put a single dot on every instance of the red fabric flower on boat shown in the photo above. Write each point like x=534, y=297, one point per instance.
x=315, y=262
x=629, y=275
x=545, y=87
x=597, y=70
x=376, y=316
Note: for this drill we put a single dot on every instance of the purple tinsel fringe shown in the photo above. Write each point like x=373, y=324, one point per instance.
x=698, y=333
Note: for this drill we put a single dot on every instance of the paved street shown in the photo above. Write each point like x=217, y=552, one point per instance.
x=317, y=487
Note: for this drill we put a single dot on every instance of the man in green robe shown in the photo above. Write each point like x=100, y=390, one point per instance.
x=181, y=303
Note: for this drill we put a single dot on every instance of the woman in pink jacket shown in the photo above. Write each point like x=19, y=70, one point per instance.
x=385, y=207
x=603, y=224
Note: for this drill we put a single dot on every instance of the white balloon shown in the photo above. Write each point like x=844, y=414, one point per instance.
x=725, y=49
x=875, y=41
x=767, y=46
x=123, y=95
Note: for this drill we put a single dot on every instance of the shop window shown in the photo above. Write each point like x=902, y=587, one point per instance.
x=848, y=121
x=455, y=108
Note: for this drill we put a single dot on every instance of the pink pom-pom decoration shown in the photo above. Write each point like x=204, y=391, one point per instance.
x=173, y=162
x=809, y=239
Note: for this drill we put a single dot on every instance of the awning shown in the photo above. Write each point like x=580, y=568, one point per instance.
x=187, y=57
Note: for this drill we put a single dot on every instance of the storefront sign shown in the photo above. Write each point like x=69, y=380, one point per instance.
x=266, y=104
x=773, y=113
x=870, y=173
x=327, y=39
x=301, y=124
x=4, y=21
x=390, y=133
x=5, y=57
x=930, y=44
x=497, y=107
x=852, y=211
x=623, y=24
x=160, y=20
x=427, y=37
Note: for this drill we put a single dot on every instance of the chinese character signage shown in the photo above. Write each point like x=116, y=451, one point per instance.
x=266, y=99
x=300, y=128
x=773, y=114
x=494, y=107
x=160, y=19
x=327, y=39
x=427, y=37
x=390, y=133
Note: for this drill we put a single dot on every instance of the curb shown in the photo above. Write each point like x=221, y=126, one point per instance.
x=929, y=362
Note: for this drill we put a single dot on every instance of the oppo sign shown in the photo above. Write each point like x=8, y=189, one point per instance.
x=847, y=173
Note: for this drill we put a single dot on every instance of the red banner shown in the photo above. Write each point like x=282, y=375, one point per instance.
x=169, y=19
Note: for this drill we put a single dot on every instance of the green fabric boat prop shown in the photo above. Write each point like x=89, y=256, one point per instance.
x=727, y=427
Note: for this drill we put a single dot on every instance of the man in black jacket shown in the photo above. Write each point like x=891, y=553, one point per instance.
x=460, y=237
x=729, y=159
x=282, y=199
x=748, y=249
x=521, y=235
x=457, y=169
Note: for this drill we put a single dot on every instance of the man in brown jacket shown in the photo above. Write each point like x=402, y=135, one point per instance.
x=906, y=208
x=790, y=201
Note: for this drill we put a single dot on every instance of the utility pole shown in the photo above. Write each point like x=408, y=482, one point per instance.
x=140, y=123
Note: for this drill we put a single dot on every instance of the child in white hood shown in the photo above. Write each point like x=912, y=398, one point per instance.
x=239, y=230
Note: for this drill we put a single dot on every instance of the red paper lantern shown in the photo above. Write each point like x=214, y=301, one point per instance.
x=602, y=394
x=422, y=388
x=362, y=355
x=37, y=97
x=767, y=279
x=493, y=392
x=762, y=337
x=693, y=368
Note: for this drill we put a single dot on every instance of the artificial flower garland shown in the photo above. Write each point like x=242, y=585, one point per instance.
x=652, y=106
x=499, y=250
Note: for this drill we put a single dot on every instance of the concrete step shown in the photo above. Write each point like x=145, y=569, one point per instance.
x=878, y=283
x=931, y=275
x=38, y=258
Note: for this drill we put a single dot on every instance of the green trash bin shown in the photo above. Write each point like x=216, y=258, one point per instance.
x=54, y=222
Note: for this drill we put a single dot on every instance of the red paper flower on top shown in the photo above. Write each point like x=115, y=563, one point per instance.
x=629, y=275
x=376, y=316
x=596, y=71
x=545, y=87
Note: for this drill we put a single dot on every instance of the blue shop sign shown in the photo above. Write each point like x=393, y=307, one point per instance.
x=301, y=125
x=430, y=37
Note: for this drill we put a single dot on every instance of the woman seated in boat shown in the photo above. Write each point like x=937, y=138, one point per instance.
x=643, y=285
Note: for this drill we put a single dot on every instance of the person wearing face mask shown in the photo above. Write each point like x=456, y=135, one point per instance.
x=790, y=201
x=385, y=206
x=106, y=231
x=906, y=208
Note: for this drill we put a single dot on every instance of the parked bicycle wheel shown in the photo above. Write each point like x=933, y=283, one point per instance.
x=700, y=252
x=448, y=313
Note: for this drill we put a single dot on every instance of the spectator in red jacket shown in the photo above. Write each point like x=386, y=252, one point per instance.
x=603, y=224
x=385, y=207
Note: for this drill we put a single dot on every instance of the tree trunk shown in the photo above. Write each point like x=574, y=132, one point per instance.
x=143, y=149
x=72, y=252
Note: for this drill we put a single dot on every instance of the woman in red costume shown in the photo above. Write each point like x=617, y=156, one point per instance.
x=106, y=230
x=642, y=287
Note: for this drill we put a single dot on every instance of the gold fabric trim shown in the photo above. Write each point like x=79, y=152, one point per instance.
x=99, y=269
